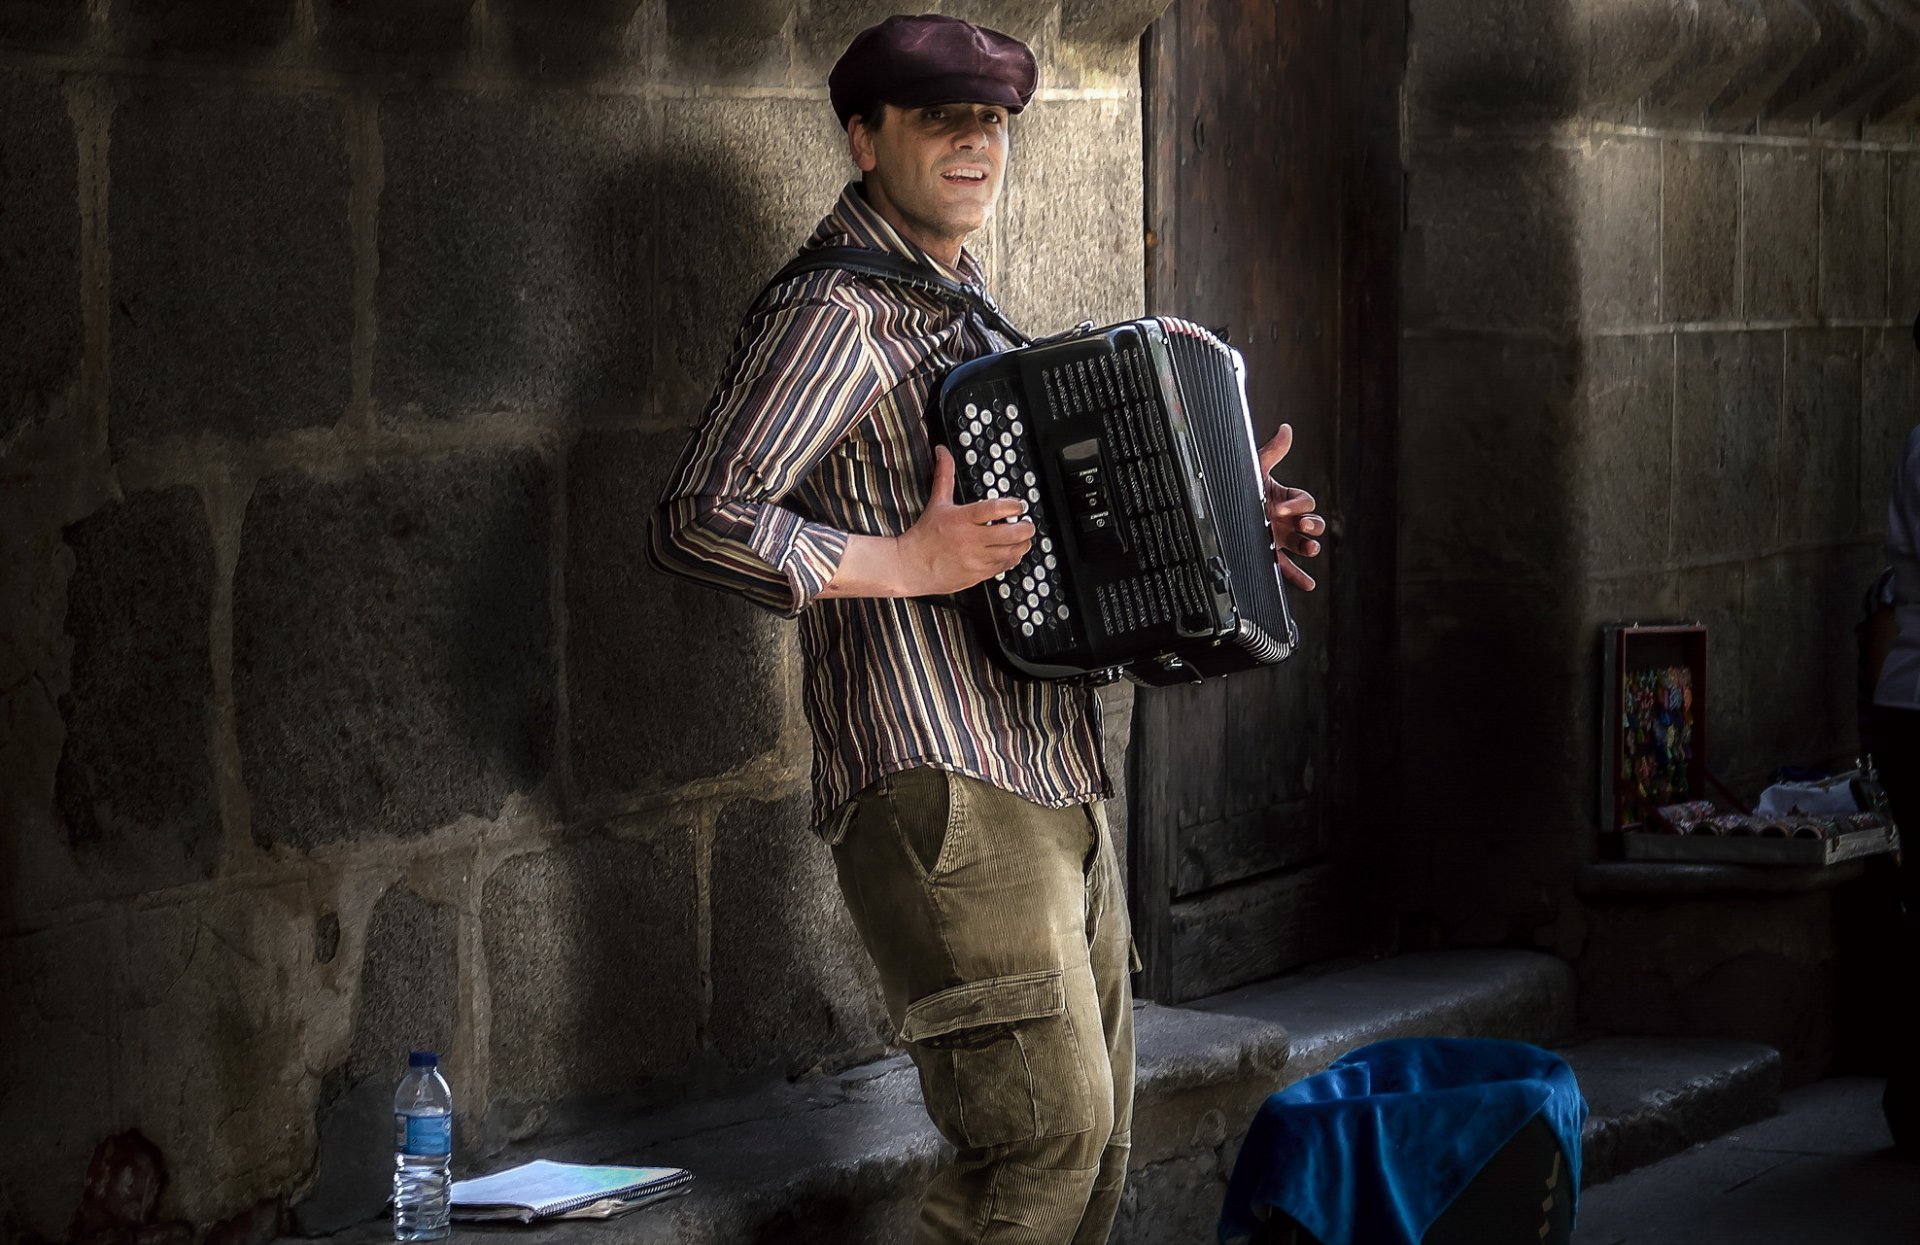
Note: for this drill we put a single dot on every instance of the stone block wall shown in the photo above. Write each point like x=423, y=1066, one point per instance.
x=1661, y=260
x=347, y=347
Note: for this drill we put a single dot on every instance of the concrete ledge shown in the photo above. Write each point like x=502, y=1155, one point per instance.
x=1201, y=1078
x=1749, y=954
x=1613, y=879
x=1179, y=1049
x=845, y=1158
x=1524, y=996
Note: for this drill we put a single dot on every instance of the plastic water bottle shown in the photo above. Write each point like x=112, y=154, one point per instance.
x=422, y=1151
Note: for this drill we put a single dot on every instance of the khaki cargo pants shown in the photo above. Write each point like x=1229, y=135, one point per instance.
x=1000, y=931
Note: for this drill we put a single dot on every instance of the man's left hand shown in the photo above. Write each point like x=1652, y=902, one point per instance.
x=1290, y=514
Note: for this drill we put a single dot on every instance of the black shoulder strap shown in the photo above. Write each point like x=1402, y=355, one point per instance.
x=901, y=271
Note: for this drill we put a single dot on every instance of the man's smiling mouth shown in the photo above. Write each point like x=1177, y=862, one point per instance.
x=965, y=175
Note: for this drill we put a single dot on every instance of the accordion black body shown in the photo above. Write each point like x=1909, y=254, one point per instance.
x=1133, y=448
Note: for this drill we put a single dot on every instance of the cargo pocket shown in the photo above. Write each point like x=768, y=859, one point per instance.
x=999, y=1060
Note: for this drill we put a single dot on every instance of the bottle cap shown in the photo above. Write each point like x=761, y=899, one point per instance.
x=423, y=1059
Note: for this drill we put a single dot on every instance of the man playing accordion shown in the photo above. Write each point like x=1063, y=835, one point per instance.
x=962, y=804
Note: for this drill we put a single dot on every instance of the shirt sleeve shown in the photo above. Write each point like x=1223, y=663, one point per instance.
x=801, y=375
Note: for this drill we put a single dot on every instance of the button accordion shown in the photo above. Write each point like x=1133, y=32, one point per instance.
x=1133, y=448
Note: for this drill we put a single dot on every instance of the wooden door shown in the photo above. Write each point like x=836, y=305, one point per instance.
x=1272, y=211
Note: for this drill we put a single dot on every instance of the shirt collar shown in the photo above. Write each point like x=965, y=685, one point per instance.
x=866, y=227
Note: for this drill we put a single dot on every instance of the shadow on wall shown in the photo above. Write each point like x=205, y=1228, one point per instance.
x=570, y=43
x=393, y=648
x=703, y=694
x=667, y=684
x=560, y=44
x=1495, y=473
x=515, y=257
x=670, y=683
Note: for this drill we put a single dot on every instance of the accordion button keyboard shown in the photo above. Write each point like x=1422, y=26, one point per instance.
x=999, y=463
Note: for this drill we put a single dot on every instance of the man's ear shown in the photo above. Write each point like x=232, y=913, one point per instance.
x=860, y=144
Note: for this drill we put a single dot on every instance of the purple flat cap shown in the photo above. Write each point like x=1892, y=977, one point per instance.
x=930, y=59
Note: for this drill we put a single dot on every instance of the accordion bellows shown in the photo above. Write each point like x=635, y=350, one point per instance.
x=1133, y=448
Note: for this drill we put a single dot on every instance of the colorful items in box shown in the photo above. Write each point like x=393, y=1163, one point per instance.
x=1657, y=722
x=1684, y=818
x=1703, y=817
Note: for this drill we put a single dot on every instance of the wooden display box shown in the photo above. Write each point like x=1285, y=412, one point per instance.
x=1653, y=733
x=1651, y=754
x=1703, y=848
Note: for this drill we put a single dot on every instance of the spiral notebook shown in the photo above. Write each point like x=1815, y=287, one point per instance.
x=544, y=1189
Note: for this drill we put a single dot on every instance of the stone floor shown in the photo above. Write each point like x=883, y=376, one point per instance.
x=1821, y=1172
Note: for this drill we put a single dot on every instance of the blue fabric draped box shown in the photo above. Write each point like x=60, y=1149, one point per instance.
x=1374, y=1149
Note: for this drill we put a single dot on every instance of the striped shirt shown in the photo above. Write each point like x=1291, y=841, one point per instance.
x=818, y=430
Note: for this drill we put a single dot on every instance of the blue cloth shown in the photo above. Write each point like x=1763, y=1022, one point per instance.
x=1374, y=1149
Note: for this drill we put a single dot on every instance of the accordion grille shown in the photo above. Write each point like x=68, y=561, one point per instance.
x=1217, y=416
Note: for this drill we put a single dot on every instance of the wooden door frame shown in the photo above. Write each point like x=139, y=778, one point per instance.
x=1358, y=568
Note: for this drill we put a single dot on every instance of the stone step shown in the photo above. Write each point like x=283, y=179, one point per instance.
x=1821, y=1170
x=1523, y=996
x=1649, y=1098
x=844, y=1158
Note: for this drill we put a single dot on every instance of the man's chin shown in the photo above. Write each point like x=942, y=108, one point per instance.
x=964, y=221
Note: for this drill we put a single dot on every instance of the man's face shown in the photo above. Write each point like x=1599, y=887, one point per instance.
x=934, y=171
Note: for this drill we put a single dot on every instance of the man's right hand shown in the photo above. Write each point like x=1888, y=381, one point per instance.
x=950, y=547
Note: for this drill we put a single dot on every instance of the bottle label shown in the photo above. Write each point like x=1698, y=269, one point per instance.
x=425, y=1135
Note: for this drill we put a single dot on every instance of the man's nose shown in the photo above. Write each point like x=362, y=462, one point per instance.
x=971, y=135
